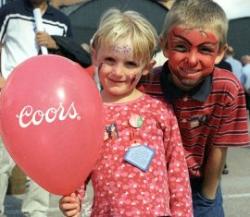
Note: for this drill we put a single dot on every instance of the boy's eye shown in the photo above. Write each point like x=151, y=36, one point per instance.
x=206, y=49
x=180, y=48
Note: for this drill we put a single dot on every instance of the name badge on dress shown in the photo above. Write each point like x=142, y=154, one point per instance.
x=140, y=156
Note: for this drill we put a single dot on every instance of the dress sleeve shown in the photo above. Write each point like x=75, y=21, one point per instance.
x=178, y=177
x=80, y=192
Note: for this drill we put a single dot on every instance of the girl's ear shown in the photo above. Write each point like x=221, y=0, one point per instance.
x=148, y=67
x=94, y=56
x=221, y=54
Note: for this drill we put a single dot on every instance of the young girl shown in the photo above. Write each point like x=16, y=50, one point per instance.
x=142, y=170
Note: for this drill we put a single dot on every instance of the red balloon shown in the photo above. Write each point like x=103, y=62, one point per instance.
x=52, y=122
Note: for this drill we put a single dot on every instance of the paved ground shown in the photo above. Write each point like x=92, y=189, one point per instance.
x=235, y=186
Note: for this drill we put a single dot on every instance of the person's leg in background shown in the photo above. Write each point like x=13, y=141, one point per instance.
x=88, y=200
x=6, y=167
x=36, y=201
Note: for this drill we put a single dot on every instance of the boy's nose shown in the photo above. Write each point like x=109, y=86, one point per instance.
x=192, y=58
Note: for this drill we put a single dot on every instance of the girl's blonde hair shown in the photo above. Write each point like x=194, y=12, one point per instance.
x=202, y=14
x=116, y=26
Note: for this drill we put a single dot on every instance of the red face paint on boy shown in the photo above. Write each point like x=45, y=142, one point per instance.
x=192, y=54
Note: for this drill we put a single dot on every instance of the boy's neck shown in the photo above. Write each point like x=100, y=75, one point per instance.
x=42, y=6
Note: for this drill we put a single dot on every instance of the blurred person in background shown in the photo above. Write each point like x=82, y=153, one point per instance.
x=19, y=40
x=236, y=64
x=246, y=74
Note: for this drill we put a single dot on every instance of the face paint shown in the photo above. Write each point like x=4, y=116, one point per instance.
x=192, y=54
x=119, y=72
x=125, y=49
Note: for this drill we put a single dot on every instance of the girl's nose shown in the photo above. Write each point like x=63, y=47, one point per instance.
x=117, y=71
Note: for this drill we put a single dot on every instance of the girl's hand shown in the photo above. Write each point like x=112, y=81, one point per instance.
x=70, y=205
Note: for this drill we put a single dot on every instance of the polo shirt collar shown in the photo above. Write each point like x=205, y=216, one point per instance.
x=172, y=92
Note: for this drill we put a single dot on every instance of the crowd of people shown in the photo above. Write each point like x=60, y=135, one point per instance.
x=168, y=126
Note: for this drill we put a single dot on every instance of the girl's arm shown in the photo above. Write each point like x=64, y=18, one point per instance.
x=178, y=176
x=70, y=205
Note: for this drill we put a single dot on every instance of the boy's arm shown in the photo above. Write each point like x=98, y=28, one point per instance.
x=178, y=177
x=212, y=171
x=2, y=80
x=44, y=39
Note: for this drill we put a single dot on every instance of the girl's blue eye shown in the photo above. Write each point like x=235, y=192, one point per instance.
x=131, y=64
x=109, y=60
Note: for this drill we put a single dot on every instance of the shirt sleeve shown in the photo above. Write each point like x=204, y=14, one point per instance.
x=233, y=129
x=178, y=177
x=69, y=31
x=3, y=21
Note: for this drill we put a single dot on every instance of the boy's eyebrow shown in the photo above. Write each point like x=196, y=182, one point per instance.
x=185, y=39
x=181, y=37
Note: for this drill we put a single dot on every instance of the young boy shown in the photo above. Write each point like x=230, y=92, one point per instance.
x=209, y=102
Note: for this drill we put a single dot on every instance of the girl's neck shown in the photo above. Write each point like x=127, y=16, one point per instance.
x=107, y=98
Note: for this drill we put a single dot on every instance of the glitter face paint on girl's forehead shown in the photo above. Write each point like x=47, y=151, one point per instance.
x=122, y=49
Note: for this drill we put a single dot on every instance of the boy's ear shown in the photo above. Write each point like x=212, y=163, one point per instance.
x=164, y=48
x=221, y=54
x=148, y=67
x=165, y=52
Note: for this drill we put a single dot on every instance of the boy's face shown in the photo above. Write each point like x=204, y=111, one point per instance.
x=192, y=54
x=119, y=71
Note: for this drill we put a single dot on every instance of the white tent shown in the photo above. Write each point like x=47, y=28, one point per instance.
x=235, y=8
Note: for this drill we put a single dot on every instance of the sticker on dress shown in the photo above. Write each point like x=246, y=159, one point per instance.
x=111, y=132
x=135, y=121
x=140, y=156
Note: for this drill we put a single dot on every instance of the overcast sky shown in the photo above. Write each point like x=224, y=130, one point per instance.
x=235, y=8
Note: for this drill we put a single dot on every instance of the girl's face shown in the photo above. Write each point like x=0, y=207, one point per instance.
x=192, y=55
x=119, y=71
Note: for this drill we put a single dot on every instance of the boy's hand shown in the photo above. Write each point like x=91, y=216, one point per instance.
x=70, y=205
x=44, y=39
x=2, y=82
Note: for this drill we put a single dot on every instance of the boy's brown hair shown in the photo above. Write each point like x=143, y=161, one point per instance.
x=202, y=14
